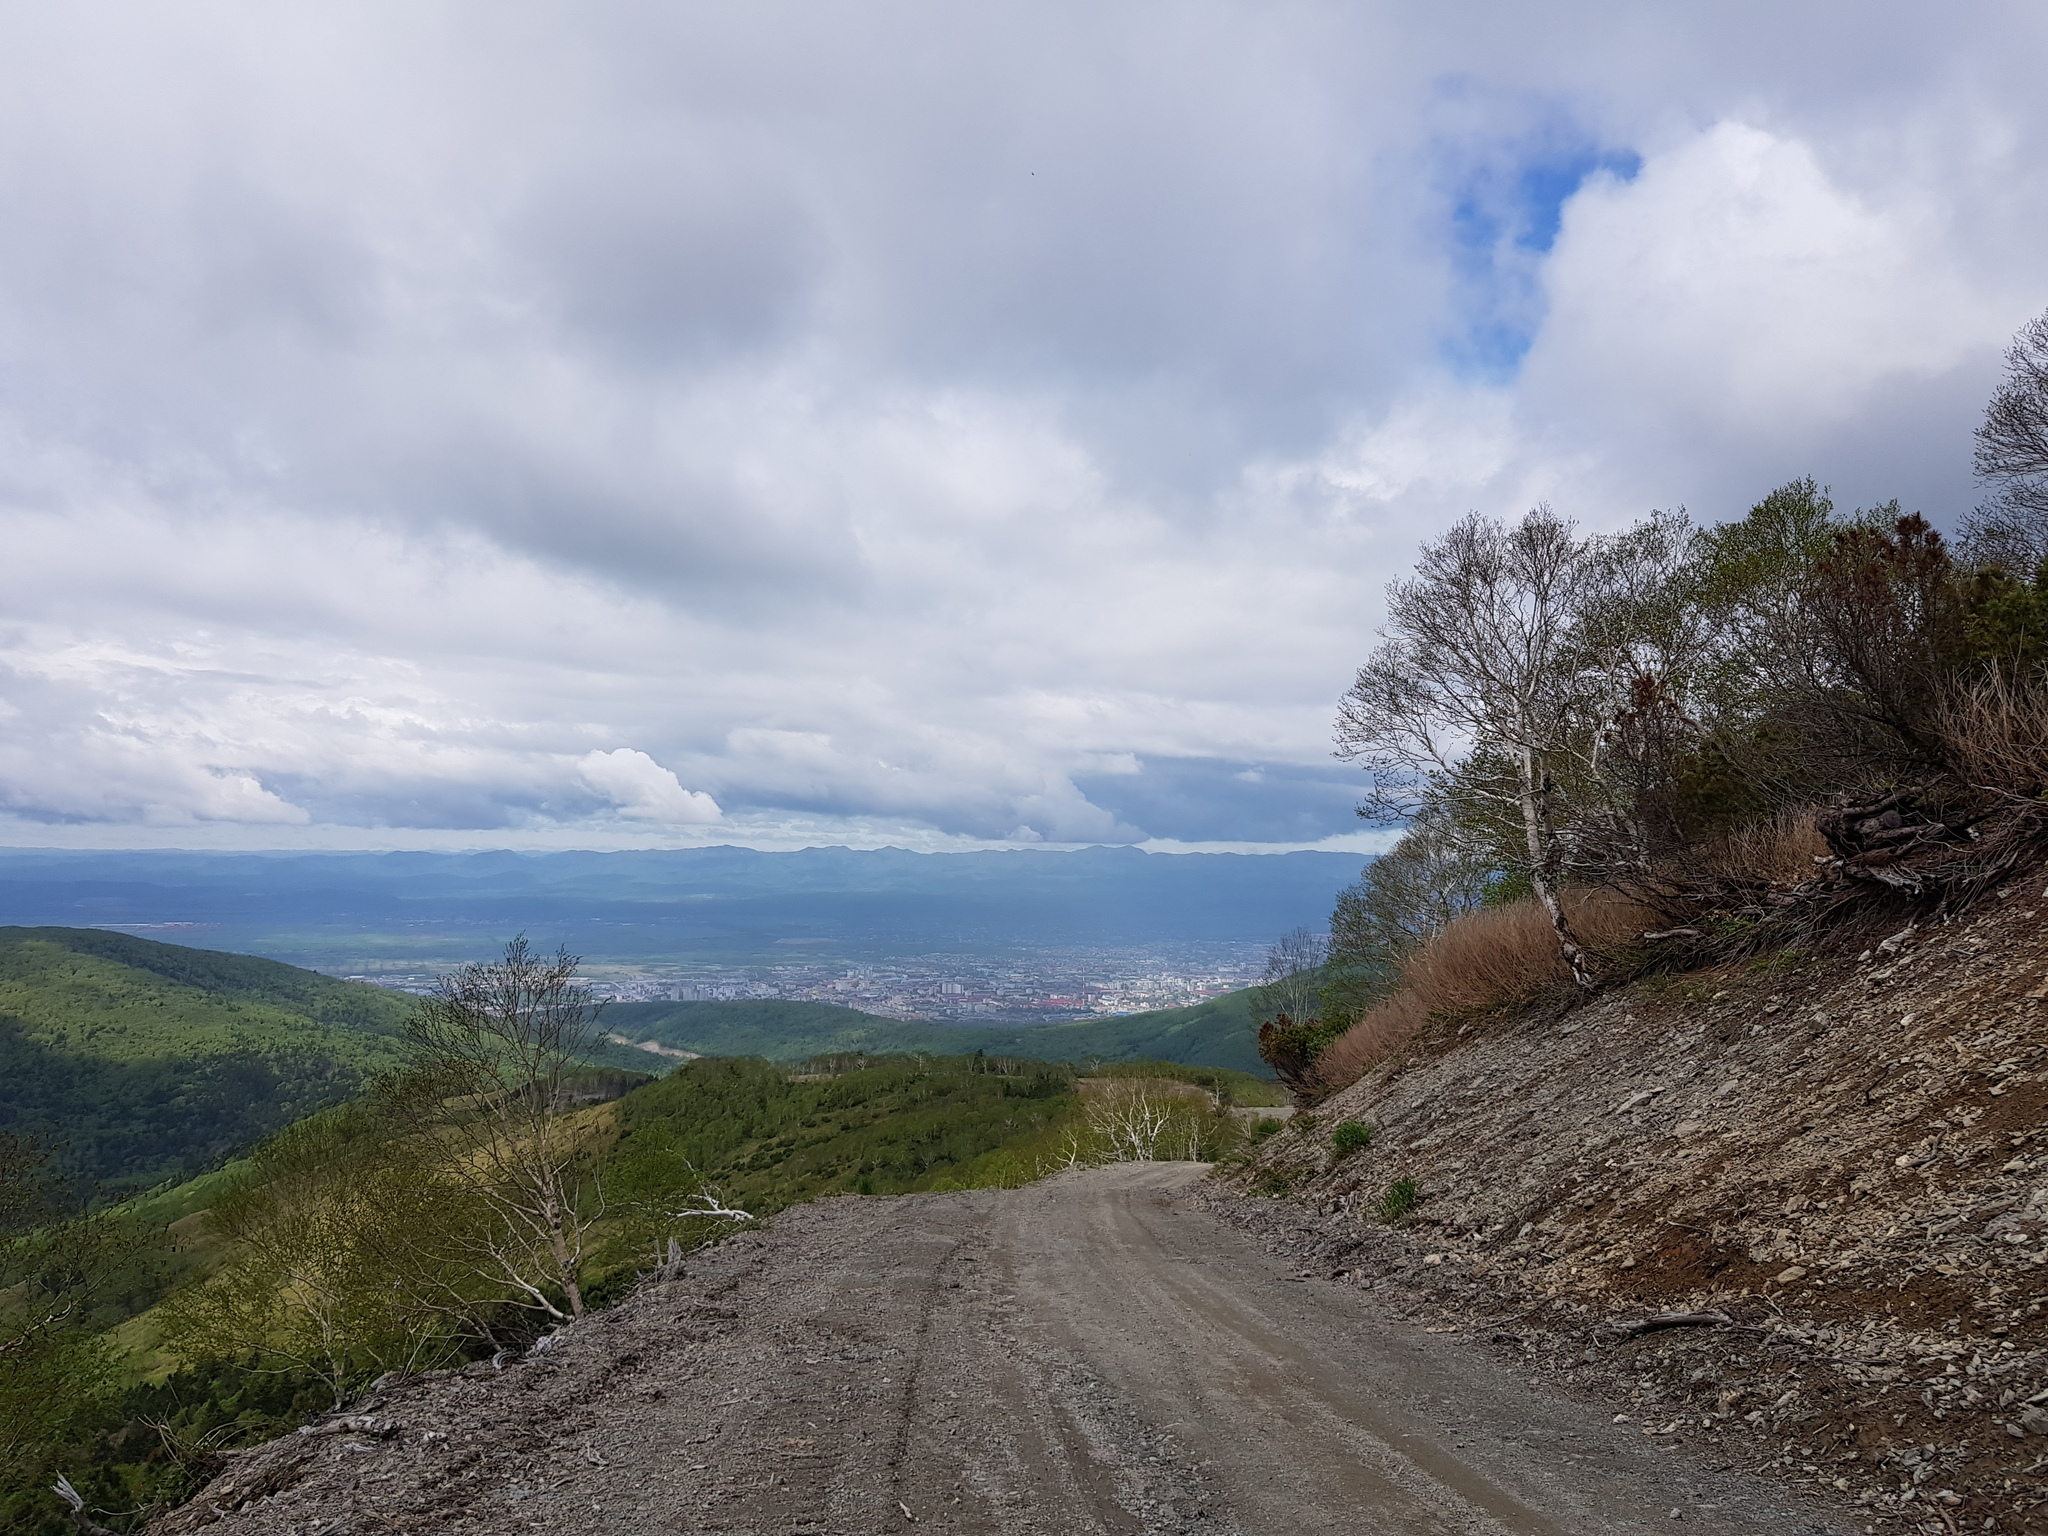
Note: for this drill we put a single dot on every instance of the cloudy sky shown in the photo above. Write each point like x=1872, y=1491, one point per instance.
x=638, y=425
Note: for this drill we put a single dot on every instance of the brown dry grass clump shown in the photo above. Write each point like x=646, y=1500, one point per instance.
x=1994, y=733
x=1778, y=852
x=1484, y=960
x=1380, y=1031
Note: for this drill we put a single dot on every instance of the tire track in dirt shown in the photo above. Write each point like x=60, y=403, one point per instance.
x=1095, y=1354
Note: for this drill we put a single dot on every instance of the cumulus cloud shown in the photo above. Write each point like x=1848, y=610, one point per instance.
x=643, y=790
x=929, y=425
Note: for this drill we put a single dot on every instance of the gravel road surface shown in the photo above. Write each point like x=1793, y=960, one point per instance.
x=1092, y=1354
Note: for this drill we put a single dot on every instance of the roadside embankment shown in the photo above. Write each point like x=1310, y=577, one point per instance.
x=1846, y=1157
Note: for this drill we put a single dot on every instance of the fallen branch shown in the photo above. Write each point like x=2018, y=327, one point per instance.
x=713, y=1206
x=1663, y=1320
x=85, y=1522
x=363, y=1424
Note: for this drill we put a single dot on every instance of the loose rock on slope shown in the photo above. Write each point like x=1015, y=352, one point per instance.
x=1845, y=1156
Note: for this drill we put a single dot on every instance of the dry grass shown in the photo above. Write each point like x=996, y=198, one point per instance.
x=1485, y=960
x=1380, y=1031
x=1778, y=852
x=1994, y=733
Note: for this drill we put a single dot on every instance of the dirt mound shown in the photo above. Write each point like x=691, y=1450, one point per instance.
x=1847, y=1158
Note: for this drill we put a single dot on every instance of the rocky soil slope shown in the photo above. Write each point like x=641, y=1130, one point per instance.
x=1846, y=1157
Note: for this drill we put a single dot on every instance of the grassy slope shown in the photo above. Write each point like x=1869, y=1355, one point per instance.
x=768, y=1140
x=150, y=1061
x=1217, y=1033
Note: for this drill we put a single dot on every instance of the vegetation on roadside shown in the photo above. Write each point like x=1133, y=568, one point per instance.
x=1352, y=1136
x=1673, y=744
x=1400, y=1199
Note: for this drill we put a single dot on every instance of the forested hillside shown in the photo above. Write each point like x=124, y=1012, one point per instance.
x=147, y=1061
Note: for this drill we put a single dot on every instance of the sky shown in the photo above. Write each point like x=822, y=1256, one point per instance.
x=948, y=426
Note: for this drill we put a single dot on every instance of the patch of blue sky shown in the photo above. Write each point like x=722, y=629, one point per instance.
x=1504, y=216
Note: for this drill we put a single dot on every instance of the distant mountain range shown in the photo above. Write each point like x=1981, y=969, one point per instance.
x=697, y=903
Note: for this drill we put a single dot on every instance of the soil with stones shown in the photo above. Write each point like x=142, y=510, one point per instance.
x=1846, y=1157
x=1096, y=1353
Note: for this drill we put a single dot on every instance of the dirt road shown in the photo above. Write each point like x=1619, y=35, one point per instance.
x=1093, y=1354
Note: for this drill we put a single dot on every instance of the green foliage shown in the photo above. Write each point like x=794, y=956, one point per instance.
x=349, y=1259
x=762, y=1138
x=152, y=1444
x=159, y=1062
x=1267, y=1127
x=1400, y=1199
x=56, y=1372
x=2006, y=620
x=1291, y=1049
x=1754, y=565
x=1217, y=1033
x=1352, y=1136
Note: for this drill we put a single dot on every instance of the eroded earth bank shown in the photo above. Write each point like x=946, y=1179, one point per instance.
x=1843, y=1156
x=1102, y=1352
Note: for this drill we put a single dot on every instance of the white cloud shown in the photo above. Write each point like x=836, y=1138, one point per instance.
x=643, y=790
x=402, y=410
x=1735, y=281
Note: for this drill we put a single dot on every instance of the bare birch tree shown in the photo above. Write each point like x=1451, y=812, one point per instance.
x=1292, y=981
x=2012, y=458
x=1481, y=655
x=494, y=1050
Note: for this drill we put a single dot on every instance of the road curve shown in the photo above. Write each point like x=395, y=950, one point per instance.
x=1092, y=1354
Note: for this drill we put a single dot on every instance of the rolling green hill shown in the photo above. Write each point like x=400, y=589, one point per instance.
x=1218, y=1033
x=148, y=1061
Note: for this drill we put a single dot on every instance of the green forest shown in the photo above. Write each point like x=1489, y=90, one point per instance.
x=143, y=1062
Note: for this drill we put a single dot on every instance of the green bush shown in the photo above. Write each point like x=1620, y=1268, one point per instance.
x=1352, y=1136
x=1290, y=1048
x=1267, y=1127
x=1402, y=1197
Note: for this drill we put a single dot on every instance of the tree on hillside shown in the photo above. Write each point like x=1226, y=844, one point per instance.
x=1293, y=975
x=1481, y=666
x=56, y=1368
x=2011, y=529
x=1415, y=889
x=345, y=1261
x=495, y=1048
